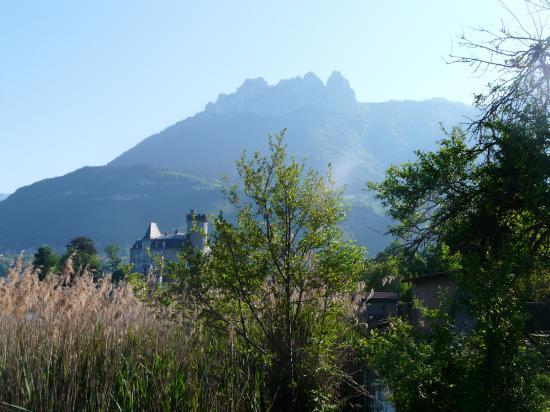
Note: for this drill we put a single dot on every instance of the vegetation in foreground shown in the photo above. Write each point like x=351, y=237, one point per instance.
x=69, y=343
x=264, y=321
x=478, y=210
x=284, y=281
x=267, y=319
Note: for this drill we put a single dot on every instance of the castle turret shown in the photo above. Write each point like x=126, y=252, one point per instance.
x=153, y=231
x=197, y=228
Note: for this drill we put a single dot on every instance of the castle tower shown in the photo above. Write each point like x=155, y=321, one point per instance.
x=197, y=228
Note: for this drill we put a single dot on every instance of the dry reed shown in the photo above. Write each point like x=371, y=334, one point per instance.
x=70, y=343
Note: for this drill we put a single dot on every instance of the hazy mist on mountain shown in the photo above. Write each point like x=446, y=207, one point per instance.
x=325, y=124
x=179, y=168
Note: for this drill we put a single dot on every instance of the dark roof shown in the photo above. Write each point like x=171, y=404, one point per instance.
x=168, y=242
x=383, y=296
x=165, y=242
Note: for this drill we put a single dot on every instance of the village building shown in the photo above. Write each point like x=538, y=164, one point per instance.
x=168, y=246
x=439, y=289
x=379, y=307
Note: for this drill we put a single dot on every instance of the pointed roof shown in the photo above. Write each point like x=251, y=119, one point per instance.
x=153, y=231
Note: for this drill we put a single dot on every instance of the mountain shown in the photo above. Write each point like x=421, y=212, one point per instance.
x=104, y=204
x=3, y=196
x=325, y=124
x=179, y=168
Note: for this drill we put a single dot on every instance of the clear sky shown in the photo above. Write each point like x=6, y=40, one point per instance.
x=80, y=82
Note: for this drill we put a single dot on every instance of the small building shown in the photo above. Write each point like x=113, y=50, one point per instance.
x=431, y=288
x=435, y=289
x=538, y=319
x=378, y=307
x=168, y=245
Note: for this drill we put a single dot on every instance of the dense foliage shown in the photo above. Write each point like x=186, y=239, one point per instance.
x=45, y=260
x=83, y=253
x=279, y=281
x=483, y=205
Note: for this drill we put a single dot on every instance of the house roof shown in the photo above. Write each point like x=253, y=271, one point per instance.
x=383, y=296
x=169, y=242
x=373, y=296
x=153, y=231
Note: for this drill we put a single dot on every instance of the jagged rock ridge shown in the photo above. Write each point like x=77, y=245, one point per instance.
x=257, y=97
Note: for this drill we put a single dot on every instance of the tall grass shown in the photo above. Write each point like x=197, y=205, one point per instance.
x=68, y=343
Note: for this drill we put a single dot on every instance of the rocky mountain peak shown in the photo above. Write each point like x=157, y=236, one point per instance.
x=253, y=86
x=339, y=92
x=256, y=96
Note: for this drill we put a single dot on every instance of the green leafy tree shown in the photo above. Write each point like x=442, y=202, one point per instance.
x=426, y=371
x=84, y=254
x=386, y=271
x=491, y=216
x=112, y=258
x=46, y=260
x=278, y=280
x=485, y=202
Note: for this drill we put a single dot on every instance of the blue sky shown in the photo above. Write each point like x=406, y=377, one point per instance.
x=80, y=82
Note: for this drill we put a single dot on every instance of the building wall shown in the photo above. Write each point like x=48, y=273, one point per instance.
x=437, y=290
x=172, y=253
x=431, y=290
x=377, y=312
x=169, y=246
x=141, y=259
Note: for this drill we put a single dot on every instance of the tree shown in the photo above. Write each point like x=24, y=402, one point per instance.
x=84, y=254
x=519, y=57
x=112, y=253
x=485, y=202
x=46, y=260
x=278, y=279
x=386, y=271
x=113, y=263
x=426, y=372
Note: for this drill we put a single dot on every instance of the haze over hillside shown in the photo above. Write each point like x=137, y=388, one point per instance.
x=325, y=124
x=179, y=168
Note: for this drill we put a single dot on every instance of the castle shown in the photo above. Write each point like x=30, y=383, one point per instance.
x=168, y=245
